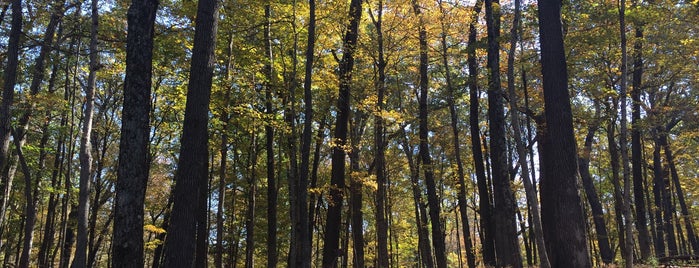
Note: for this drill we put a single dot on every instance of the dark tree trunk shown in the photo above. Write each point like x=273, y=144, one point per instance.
x=303, y=228
x=529, y=188
x=180, y=244
x=605, y=249
x=614, y=165
x=356, y=185
x=383, y=256
x=636, y=147
x=132, y=174
x=433, y=200
x=250, y=212
x=331, y=248
x=485, y=207
x=561, y=211
x=668, y=207
x=463, y=206
x=9, y=80
x=658, y=188
x=506, y=243
x=30, y=206
x=689, y=225
x=80, y=258
x=424, y=249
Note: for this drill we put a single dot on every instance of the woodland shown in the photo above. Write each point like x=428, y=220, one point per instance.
x=356, y=133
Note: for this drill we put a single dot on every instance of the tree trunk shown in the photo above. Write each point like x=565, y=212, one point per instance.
x=689, y=225
x=463, y=206
x=30, y=206
x=668, y=208
x=250, y=212
x=9, y=80
x=192, y=168
x=303, y=228
x=597, y=211
x=331, y=248
x=636, y=147
x=561, y=211
x=532, y=198
x=132, y=174
x=356, y=186
x=623, y=145
x=433, y=200
x=424, y=249
x=487, y=225
x=658, y=188
x=272, y=258
x=506, y=242
x=383, y=256
x=80, y=258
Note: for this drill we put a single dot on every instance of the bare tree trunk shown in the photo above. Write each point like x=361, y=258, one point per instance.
x=80, y=259
x=532, y=198
x=331, y=248
x=689, y=225
x=463, y=206
x=636, y=147
x=561, y=211
x=272, y=257
x=9, y=80
x=30, y=207
x=356, y=195
x=180, y=245
x=133, y=170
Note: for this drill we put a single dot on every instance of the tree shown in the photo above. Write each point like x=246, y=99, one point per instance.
x=193, y=162
x=561, y=213
x=331, y=248
x=80, y=259
x=506, y=242
x=133, y=169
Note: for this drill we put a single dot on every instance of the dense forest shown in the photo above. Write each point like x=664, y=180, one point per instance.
x=362, y=133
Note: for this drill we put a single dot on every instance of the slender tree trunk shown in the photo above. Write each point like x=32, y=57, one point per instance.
x=532, y=197
x=9, y=80
x=132, y=173
x=303, y=228
x=623, y=147
x=485, y=207
x=506, y=242
x=383, y=256
x=424, y=249
x=250, y=212
x=30, y=207
x=689, y=225
x=668, y=207
x=356, y=186
x=605, y=249
x=614, y=165
x=463, y=206
x=636, y=148
x=180, y=245
x=561, y=211
x=80, y=259
x=272, y=257
x=658, y=188
x=433, y=199
x=331, y=248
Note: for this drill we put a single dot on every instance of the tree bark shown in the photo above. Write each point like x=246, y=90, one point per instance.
x=272, y=257
x=80, y=258
x=530, y=192
x=561, y=211
x=506, y=243
x=689, y=225
x=9, y=80
x=180, y=244
x=433, y=200
x=383, y=256
x=356, y=186
x=463, y=206
x=331, y=248
x=605, y=249
x=132, y=173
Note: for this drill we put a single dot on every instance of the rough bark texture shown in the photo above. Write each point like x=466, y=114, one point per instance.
x=192, y=170
x=433, y=200
x=380, y=144
x=272, y=257
x=623, y=145
x=132, y=173
x=356, y=195
x=331, y=248
x=636, y=147
x=561, y=211
x=529, y=188
x=506, y=243
x=80, y=258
